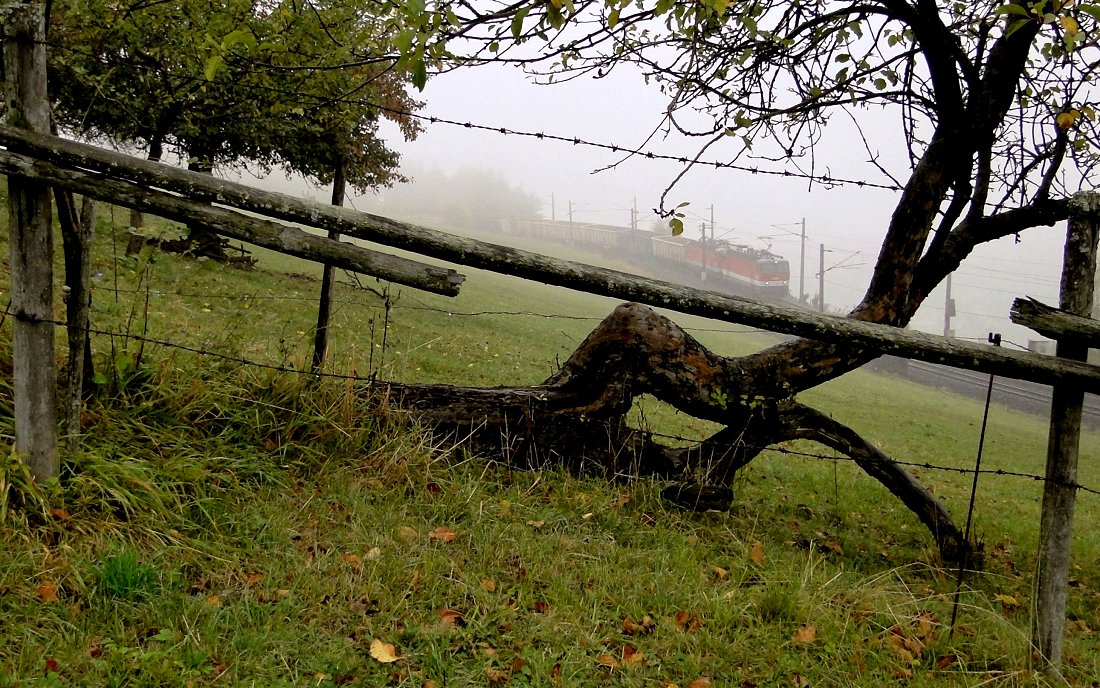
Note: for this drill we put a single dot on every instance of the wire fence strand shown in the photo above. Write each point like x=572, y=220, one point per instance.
x=373, y=380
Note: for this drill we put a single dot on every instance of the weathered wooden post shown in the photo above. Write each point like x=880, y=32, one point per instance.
x=328, y=278
x=29, y=222
x=76, y=245
x=1059, y=490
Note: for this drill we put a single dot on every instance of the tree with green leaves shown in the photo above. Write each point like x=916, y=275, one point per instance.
x=277, y=85
x=996, y=107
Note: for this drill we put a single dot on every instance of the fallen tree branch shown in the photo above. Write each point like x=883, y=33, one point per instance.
x=576, y=418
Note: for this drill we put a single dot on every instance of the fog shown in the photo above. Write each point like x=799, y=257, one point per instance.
x=598, y=185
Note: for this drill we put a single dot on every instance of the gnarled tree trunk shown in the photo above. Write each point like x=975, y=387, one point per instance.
x=576, y=418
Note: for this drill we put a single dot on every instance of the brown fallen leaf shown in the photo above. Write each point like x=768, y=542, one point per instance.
x=757, y=553
x=497, y=675
x=702, y=682
x=213, y=601
x=542, y=607
x=407, y=534
x=489, y=585
x=251, y=579
x=1079, y=626
x=451, y=616
x=719, y=573
x=647, y=625
x=607, y=662
x=47, y=592
x=806, y=634
x=60, y=514
x=688, y=622
x=1009, y=602
x=946, y=661
x=902, y=648
x=383, y=652
x=632, y=655
x=443, y=534
x=352, y=559
x=536, y=524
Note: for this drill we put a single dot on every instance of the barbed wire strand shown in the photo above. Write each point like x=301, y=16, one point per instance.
x=780, y=449
x=827, y=180
x=397, y=306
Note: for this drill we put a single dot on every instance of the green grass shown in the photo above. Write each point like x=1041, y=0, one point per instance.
x=234, y=525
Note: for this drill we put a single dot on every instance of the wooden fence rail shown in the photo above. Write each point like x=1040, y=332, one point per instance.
x=69, y=157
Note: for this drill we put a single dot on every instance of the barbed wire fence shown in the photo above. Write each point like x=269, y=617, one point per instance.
x=384, y=303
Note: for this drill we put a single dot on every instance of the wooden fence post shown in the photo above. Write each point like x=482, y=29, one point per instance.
x=328, y=279
x=1059, y=490
x=29, y=221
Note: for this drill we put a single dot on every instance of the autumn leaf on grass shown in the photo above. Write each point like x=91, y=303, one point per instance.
x=688, y=622
x=607, y=662
x=407, y=534
x=542, y=607
x=352, y=559
x=703, y=682
x=632, y=656
x=497, y=675
x=1079, y=626
x=630, y=627
x=47, y=592
x=757, y=553
x=906, y=649
x=383, y=652
x=1009, y=602
x=806, y=634
x=451, y=616
x=443, y=534
x=488, y=585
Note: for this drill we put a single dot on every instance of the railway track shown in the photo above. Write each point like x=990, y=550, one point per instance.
x=1017, y=394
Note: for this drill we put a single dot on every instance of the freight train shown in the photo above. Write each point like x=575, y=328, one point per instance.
x=715, y=264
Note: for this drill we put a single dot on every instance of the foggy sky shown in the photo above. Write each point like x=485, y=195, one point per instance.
x=622, y=110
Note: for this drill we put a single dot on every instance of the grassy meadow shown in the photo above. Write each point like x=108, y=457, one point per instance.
x=237, y=524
